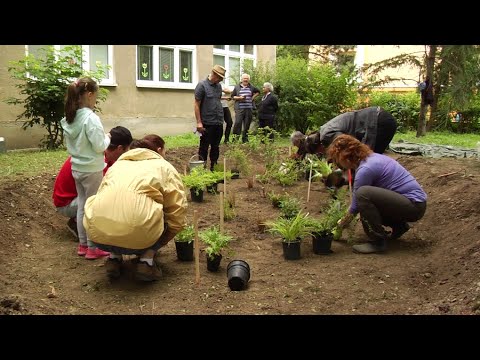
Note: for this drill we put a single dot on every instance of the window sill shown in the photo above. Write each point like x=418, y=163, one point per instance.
x=157, y=85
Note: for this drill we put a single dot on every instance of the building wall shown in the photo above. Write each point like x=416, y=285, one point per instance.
x=368, y=54
x=142, y=110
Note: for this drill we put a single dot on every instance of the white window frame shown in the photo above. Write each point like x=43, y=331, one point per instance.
x=235, y=54
x=175, y=84
x=86, y=63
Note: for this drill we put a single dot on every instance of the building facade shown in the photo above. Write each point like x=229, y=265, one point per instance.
x=150, y=86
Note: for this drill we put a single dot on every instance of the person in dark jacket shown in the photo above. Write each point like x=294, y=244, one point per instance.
x=373, y=126
x=267, y=109
x=209, y=114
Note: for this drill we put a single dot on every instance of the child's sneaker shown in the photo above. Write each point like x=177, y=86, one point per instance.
x=82, y=250
x=95, y=253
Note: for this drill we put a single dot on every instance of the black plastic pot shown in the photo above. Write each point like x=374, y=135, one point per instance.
x=322, y=242
x=238, y=273
x=214, y=264
x=195, y=197
x=291, y=250
x=184, y=250
x=235, y=174
x=212, y=189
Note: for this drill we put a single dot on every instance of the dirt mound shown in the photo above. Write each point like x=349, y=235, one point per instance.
x=432, y=269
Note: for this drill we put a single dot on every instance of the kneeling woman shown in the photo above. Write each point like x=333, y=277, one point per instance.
x=139, y=207
x=384, y=193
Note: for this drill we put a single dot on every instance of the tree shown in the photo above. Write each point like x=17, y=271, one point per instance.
x=452, y=69
x=43, y=83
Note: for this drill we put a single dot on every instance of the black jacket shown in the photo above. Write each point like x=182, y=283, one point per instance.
x=268, y=107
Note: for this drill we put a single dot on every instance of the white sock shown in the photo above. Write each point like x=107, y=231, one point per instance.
x=148, y=261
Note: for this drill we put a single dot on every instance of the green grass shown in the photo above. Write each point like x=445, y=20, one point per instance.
x=466, y=141
x=19, y=164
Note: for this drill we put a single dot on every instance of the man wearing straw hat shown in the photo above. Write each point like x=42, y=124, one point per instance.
x=209, y=114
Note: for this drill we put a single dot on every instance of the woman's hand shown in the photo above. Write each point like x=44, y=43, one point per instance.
x=343, y=222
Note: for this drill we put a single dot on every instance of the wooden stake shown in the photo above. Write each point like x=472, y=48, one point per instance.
x=309, y=182
x=196, y=248
x=225, y=176
x=289, y=151
x=221, y=212
x=185, y=170
x=448, y=174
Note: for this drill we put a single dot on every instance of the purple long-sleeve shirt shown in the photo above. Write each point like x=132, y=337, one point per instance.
x=386, y=173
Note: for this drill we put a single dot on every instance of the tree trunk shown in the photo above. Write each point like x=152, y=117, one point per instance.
x=430, y=66
x=430, y=62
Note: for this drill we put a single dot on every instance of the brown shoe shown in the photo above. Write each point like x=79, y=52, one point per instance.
x=113, y=267
x=145, y=272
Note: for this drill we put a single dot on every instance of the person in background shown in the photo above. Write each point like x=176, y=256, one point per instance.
x=384, y=193
x=140, y=206
x=372, y=126
x=209, y=114
x=244, y=95
x=86, y=142
x=267, y=109
x=64, y=190
x=227, y=115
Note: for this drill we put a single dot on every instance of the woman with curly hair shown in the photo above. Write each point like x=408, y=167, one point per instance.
x=384, y=193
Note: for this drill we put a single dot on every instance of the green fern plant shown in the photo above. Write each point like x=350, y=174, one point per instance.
x=215, y=240
x=291, y=230
x=186, y=235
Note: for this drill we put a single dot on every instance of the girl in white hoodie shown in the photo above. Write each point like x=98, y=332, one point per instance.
x=86, y=142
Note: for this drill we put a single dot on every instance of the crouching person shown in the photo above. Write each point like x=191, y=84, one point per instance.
x=384, y=193
x=140, y=206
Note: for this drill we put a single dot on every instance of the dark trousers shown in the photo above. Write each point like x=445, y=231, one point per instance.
x=211, y=137
x=117, y=250
x=227, y=116
x=386, y=127
x=379, y=207
x=262, y=123
x=243, y=118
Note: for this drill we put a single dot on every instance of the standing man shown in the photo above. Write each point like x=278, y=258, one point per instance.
x=209, y=114
x=244, y=94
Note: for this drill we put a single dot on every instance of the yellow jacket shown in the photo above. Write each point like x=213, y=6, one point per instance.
x=138, y=193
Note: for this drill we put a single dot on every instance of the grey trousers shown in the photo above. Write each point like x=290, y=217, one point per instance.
x=379, y=207
x=87, y=185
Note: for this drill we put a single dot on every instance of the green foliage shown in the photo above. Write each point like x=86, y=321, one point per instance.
x=229, y=207
x=320, y=168
x=237, y=158
x=287, y=172
x=215, y=240
x=310, y=94
x=186, y=235
x=291, y=229
x=289, y=206
x=198, y=179
x=467, y=141
x=405, y=108
x=43, y=83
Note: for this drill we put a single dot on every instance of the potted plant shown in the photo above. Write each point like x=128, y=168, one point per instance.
x=184, y=243
x=218, y=177
x=216, y=241
x=239, y=160
x=197, y=180
x=291, y=231
x=324, y=230
x=289, y=207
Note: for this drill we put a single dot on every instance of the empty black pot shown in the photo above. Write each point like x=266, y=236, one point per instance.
x=238, y=273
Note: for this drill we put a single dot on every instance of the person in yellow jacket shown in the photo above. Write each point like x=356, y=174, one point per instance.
x=139, y=207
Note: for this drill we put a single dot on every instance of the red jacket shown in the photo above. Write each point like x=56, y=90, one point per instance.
x=64, y=190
